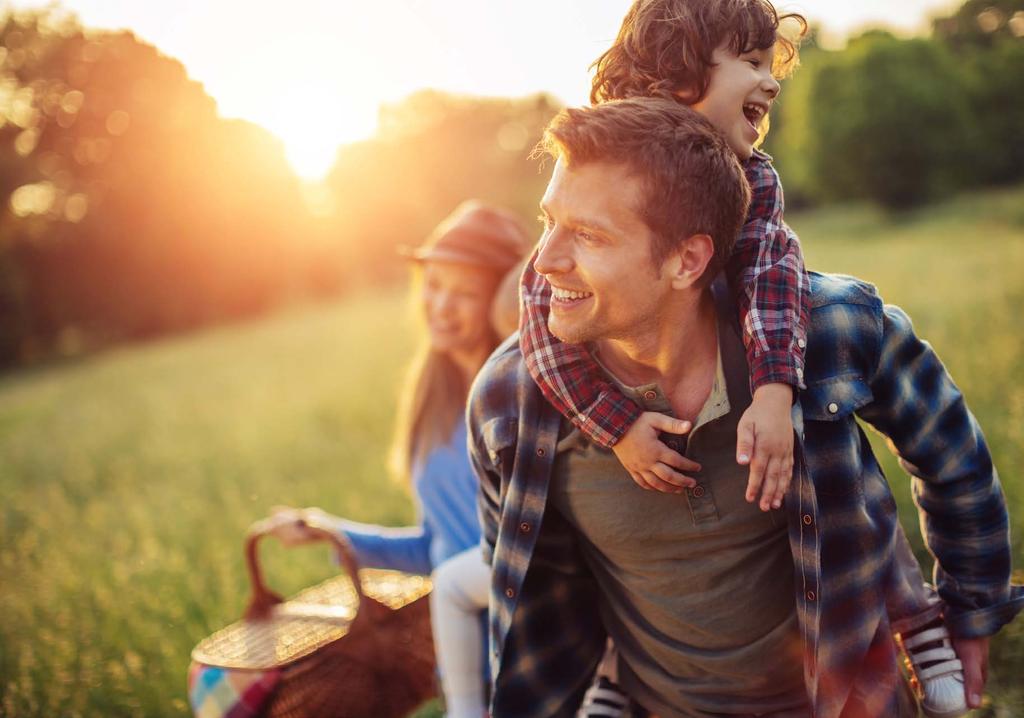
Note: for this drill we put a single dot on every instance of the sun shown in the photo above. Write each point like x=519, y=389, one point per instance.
x=313, y=122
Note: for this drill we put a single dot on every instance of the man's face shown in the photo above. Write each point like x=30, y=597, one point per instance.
x=596, y=254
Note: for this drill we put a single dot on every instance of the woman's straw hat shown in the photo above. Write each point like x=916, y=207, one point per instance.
x=478, y=234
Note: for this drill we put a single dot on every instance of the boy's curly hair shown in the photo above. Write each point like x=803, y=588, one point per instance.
x=664, y=47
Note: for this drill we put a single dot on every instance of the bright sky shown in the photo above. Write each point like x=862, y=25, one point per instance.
x=313, y=72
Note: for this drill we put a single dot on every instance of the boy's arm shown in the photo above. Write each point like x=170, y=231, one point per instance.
x=766, y=274
x=567, y=375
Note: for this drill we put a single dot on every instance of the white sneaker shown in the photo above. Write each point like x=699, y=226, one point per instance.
x=604, y=699
x=938, y=671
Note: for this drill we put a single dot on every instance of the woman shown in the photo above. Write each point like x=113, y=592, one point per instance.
x=467, y=272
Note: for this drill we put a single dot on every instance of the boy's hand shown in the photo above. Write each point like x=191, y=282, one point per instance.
x=764, y=440
x=652, y=464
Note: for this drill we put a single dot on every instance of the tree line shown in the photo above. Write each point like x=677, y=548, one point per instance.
x=902, y=122
x=131, y=209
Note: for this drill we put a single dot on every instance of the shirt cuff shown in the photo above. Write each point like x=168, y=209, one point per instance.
x=776, y=367
x=987, y=621
x=608, y=418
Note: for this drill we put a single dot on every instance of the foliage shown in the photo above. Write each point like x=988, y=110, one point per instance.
x=981, y=23
x=885, y=120
x=131, y=209
x=432, y=150
x=127, y=480
x=905, y=121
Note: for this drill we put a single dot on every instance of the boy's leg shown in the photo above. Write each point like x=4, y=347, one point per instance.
x=913, y=602
x=917, y=617
x=604, y=698
x=461, y=586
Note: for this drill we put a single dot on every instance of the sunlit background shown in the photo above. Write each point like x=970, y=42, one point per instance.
x=202, y=312
x=314, y=72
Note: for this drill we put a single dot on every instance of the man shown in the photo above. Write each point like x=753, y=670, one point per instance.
x=716, y=607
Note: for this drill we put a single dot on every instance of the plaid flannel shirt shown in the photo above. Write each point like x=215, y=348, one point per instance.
x=766, y=272
x=863, y=360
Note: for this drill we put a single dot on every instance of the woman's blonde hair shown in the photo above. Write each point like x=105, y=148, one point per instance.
x=432, y=400
x=433, y=394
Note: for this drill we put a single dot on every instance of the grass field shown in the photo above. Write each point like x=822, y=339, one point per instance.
x=127, y=479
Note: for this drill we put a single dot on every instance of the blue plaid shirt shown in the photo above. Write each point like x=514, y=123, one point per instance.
x=863, y=360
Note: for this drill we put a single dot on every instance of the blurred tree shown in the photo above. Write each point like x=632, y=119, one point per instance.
x=885, y=119
x=981, y=23
x=788, y=141
x=987, y=37
x=903, y=121
x=433, y=151
x=995, y=92
x=132, y=209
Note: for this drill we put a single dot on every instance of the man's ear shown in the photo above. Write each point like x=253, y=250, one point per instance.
x=688, y=262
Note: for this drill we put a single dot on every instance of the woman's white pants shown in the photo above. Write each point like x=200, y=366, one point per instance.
x=461, y=587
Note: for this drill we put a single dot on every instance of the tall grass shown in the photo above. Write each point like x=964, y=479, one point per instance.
x=127, y=479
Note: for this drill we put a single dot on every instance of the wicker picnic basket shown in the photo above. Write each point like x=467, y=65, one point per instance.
x=358, y=648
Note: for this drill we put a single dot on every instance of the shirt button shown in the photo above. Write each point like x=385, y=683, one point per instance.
x=807, y=520
x=698, y=491
x=540, y=452
x=810, y=596
x=801, y=343
x=524, y=527
x=833, y=408
x=510, y=593
x=650, y=395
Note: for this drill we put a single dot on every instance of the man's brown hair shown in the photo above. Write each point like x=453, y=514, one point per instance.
x=664, y=47
x=691, y=181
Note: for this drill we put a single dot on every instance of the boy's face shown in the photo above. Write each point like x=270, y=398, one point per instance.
x=741, y=91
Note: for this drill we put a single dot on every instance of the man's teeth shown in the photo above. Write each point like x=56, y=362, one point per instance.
x=565, y=294
x=753, y=112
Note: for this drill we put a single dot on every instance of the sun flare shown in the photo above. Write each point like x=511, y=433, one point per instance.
x=313, y=121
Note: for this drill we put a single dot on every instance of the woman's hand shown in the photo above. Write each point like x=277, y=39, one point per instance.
x=294, y=527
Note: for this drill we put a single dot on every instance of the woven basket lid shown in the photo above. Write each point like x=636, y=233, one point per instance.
x=312, y=618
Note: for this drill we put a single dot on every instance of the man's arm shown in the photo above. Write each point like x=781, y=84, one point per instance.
x=956, y=487
x=939, y=443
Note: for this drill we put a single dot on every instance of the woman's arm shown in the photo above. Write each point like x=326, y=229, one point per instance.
x=400, y=549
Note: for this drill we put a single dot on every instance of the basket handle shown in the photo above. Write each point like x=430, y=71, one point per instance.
x=263, y=599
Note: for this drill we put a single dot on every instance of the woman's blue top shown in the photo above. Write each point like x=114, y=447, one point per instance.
x=444, y=491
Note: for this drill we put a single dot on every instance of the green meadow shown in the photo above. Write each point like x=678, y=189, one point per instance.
x=127, y=479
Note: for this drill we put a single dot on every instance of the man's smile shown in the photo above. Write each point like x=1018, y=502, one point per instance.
x=568, y=296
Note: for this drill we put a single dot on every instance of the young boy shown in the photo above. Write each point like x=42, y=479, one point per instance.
x=723, y=58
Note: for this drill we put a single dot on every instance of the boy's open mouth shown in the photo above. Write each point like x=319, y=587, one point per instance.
x=754, y=113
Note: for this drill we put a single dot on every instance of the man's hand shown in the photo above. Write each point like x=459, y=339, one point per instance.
x=973, y=654
x=764, y=440
x=652, y=464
